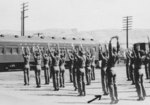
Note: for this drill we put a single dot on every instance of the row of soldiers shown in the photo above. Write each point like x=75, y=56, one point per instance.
x=82, y=62
x=81, y=65
x=137, y=57
x=138, y=60
x=129, y=67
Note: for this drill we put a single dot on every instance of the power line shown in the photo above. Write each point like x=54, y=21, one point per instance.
x=127, y=26
x=24, y=6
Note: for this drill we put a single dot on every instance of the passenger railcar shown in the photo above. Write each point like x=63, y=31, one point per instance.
x=11, y=54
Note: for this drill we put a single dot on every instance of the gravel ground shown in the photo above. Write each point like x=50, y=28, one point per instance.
x=13, y=92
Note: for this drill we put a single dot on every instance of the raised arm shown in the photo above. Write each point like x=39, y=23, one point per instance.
x=43, y=53
x=28, y=49
x=127, y=54
x=51, y=54
x=58, y=49
x=118, y=45
x=87, y=52
x=64, y=53
x=33, y=48
x=134, y=54
x=39, y=49
x=110, y=48
x=23, y=53
x=106, y=50
x=82, y=49
x=69, y=56
x=100, y=52
x=76, y=54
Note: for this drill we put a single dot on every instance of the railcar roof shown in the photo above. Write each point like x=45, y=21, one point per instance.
x=47, y=39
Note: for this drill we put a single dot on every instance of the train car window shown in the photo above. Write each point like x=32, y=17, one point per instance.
x=1, y=50
x=15, y=50
x=12, y=50
x=8, y=50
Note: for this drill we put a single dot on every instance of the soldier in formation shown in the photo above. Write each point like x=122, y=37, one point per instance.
x=111, y=74
x=130, y=57
x=93, y=64
x=88, y=67
x=81, y=58
x=46, y=67
x=72, y=68
x=104, y=78
x=62, y=69
x=140, y=58
x=26, y=56
x=55, y=67
x=37, y=57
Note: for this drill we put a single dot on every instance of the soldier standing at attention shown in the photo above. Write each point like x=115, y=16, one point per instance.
x=104, y=78
x=62, y=69
x=81, y=71
x=140, y=57
x=56, y=69
x=93, y=65
x=113, y=58
x=88, y=67
x=46, y=67
x=73, y=68
x=26, y=56
x=37, y=58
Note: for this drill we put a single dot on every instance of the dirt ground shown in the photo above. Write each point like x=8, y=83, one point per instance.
x=13, y=92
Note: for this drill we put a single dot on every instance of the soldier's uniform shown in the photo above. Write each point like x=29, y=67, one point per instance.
x=56, y=70
x=139, y=59
x=131, y=67
x=111, y=74
x=130, y=57
x=71, y=68
x=88, y=69
x=46, y=69
x=93, y=67
x=81, y=73
x=104, y=77
x=75, y=68
x=50, y=68
x=62, y=71
x=128, y=69
x=26, y=68
x=37, y=58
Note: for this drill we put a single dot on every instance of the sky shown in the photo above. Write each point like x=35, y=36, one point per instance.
x=85, y=15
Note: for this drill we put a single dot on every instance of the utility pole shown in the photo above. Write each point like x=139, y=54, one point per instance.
x=127, y=26
x=38, y=34
x=24, y=6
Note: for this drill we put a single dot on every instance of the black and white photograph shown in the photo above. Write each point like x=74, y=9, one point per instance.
x=74, y=52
